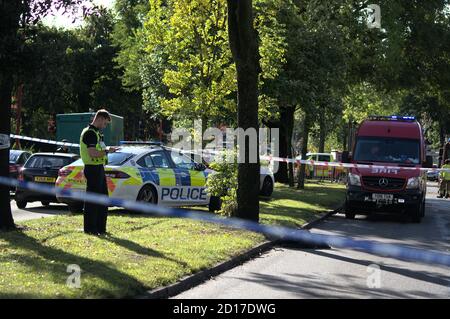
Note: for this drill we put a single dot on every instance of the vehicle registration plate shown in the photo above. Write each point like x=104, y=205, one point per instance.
x=383, y=197
x=44, y=179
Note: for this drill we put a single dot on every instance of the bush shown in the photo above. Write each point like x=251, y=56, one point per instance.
x=223, y=182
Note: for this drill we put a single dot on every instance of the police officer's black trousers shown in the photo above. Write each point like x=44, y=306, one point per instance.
x=95, y=216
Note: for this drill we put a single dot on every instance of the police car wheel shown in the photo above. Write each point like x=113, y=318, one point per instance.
x=21, y=204
x=215, y=203
x=76, y=208
x=147, y=194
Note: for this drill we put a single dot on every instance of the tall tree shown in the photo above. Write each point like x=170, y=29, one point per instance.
x=244, y=47
x=15, y=16
x=9, y=20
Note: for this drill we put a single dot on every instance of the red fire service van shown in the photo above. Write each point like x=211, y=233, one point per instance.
x=397, y=142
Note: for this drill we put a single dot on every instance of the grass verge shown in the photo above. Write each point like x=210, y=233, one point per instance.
x=293, y=207
x=140, y=252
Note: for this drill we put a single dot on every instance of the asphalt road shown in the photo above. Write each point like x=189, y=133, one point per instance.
x=36, y=210
x=336, y=273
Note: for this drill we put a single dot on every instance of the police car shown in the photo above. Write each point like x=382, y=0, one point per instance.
x=154, y=174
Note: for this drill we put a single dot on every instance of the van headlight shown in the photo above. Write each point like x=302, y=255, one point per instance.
x=413, y=183
x=354, y=179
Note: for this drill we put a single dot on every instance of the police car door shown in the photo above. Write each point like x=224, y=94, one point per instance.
x=159, y=171
x=190, y=180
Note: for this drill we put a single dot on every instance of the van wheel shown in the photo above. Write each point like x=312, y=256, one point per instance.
x=21, y=204
x=215, y=204
x=349, y=212
x=350, y=215
x=148, y=194
x=416, y=213
x=422, y=213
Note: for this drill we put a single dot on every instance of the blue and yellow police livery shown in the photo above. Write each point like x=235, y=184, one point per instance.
x=146, y=173
x=150, y=173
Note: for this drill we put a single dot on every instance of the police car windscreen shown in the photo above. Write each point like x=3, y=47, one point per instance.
x=388, y=150
x=118, y=158
x=48, y=162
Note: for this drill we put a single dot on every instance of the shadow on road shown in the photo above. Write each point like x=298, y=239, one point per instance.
x=432, y=233
x=319, y=286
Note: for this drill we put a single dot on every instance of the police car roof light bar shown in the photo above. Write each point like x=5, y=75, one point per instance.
x=391, y=118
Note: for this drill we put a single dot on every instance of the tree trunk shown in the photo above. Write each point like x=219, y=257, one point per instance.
x=244, y=47
x=305, y=135
x=344, y=138
x=204, y=119
x=281, y=175
x=9, y=19
x=6, y=219
x=442, y=132
x=289, y=130
x=322, y=133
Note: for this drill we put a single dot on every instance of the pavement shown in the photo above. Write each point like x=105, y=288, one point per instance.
x=292, y=272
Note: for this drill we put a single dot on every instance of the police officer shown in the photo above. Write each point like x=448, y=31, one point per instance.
x=63, y=148
x=444, y=176
x=94, y=155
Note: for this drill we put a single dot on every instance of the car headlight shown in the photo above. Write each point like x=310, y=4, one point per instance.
x=354, y=179
x=413, y=182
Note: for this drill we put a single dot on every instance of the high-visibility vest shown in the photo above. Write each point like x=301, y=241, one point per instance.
x=444, y=174
x=88, y=160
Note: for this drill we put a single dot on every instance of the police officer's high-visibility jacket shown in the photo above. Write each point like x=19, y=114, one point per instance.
x=445, y=175
x=88, y=160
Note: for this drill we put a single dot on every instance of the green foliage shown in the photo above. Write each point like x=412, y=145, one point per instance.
x=190, y=38
x=188, y=72
x=223, y=182
x=363, y=100
x=73, y=71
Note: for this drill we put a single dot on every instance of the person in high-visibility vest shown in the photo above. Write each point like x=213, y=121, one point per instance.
x=444, y=183
x=94, y=154
x=63, y=148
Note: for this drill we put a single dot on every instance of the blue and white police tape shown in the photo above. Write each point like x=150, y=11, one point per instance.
x=376, y=168
x=372, y=247
x=40, y=140
x=205, y=152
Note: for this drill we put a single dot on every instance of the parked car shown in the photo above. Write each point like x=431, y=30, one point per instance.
x=154, y=174
x=17, y=159
x=433, y=176
x=266, y=177
x=41, y=168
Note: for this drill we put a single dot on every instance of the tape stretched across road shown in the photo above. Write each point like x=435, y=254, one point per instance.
x=379, y=168
x=40, y=140
x=303, y=236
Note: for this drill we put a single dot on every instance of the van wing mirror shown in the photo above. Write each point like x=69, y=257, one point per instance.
x=346, y=158
x=428, y=162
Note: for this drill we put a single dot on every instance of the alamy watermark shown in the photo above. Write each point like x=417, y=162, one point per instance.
x=74, y=279
x=374, y=19
x=374, y=278
x=219, y=144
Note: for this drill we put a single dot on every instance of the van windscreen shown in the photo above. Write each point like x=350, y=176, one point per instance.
x=388, y=150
